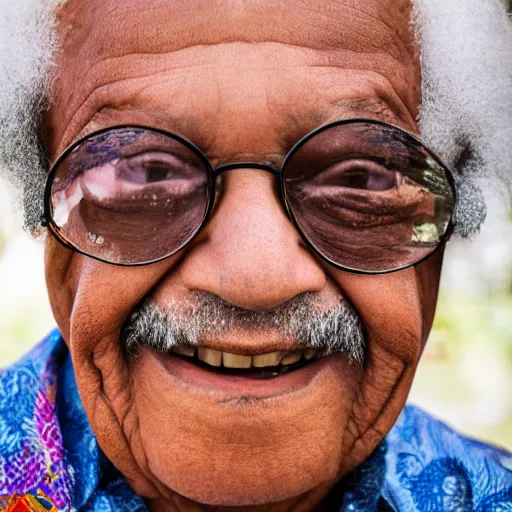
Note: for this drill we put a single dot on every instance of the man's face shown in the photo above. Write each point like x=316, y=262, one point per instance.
x=244, y=80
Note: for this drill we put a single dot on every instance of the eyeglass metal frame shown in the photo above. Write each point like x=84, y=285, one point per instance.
x=214, y=172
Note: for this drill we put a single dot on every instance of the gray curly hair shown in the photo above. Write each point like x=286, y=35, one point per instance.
x=466, y=113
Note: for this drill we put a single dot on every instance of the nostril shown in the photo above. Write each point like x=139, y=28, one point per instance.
x=266, y=279
x=257, y=295
x=253, y=277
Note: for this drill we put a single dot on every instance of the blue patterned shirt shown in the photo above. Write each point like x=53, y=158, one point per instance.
x=46, y=444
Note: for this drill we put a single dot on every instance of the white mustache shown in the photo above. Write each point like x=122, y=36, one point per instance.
x=338, y=329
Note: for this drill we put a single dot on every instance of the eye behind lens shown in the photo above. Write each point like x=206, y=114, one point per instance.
x=372, y=200
x=154, y=167
x=129, y=196
x=356, y=174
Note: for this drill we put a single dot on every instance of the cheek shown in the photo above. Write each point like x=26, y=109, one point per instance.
x=396, y=309
x=390, y=309
x=92, y=300
x=60, y=281
x=429, y=274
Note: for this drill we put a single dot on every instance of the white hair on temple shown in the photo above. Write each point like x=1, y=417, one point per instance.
x=466, y=116
x=27, y=48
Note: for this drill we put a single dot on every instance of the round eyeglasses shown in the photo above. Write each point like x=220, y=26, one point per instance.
x=365, y=195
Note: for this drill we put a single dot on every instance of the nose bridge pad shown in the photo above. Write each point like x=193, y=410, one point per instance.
x=272, y=169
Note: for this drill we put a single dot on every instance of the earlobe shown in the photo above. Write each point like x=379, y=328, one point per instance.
x=429, y=277
x=57, y=261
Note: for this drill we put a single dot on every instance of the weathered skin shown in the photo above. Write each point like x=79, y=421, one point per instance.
x=244, y=79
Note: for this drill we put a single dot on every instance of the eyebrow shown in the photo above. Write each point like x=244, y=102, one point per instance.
x=300, y=123
x=154, y=118
x=295, y=126
x=369, y=106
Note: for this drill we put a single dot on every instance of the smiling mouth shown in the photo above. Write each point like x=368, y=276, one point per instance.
x=262, y=366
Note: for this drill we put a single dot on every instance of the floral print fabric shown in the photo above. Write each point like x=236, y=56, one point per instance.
x=31, y=452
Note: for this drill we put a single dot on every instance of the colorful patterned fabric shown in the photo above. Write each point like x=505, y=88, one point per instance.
x=46, y=444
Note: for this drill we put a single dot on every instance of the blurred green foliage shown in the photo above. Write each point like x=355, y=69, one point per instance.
x=467, y=364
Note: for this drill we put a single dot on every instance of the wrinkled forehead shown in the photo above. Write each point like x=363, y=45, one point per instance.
x=170, y=25
x=107, y=44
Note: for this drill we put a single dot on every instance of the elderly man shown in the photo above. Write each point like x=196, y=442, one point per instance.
x=245, y=205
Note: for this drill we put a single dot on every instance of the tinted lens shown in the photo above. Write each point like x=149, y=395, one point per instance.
x=129, y=195
x=368, y=197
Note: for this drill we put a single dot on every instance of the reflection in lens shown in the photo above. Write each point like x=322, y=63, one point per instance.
x=129, y=195
x=368, y=197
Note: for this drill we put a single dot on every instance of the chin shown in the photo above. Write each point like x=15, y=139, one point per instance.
x=239, y=441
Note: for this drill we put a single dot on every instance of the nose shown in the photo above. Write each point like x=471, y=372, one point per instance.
x=250, y=253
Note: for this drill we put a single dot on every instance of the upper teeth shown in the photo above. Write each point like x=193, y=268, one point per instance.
x=218, y=358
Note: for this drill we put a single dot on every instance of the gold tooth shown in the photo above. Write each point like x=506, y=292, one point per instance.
x=264, y=360
x=310, y=353
x=236, y=361
x=184, y=350
x=291, y=358
x=210, y=356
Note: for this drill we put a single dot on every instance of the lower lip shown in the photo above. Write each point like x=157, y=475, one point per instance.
x=231, y=386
